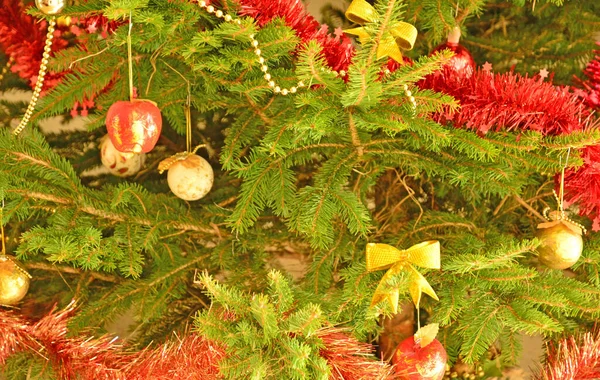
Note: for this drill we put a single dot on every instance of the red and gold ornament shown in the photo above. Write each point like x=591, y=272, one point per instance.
x=134, y=126
x=119, y=163
x=462, y=62
x=421, y=357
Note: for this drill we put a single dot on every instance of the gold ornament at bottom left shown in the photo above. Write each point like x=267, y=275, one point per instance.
x=14, y=281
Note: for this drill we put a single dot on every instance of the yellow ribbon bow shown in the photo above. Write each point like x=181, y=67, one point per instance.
x=402, y=35
x=383, y=256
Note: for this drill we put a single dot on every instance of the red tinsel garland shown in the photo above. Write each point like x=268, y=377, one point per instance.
x=573, y=359
x=191, y=357
x=508, y=102
x=592, y=84
x=101, y=359
x=22, y=37
x=343, y=354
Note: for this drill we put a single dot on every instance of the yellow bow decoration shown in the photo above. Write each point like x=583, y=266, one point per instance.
x=403, y=35
x=383, y=256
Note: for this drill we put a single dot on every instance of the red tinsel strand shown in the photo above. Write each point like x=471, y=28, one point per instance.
x=191, y=357
x=573, y=359
x=592, y=85
x=509, y=101
x=22, y=37
x=350, y=359
x=102, y=359
x=582, y=185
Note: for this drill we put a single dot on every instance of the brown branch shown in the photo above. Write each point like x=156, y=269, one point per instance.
x=71, y=270
x=115, y=217
x=354, y=134
x=528, y=207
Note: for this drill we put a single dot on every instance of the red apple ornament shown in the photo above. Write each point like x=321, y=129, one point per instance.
x=421, y=357
x=134, y=126
x=462, y=61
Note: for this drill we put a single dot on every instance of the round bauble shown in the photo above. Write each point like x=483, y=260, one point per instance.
x=190, y=178
x=562, y=244
x=134, y=126
x=50, y=7
x=119, y=163
x=413, y=362
x=462, y=62
x=14, y=281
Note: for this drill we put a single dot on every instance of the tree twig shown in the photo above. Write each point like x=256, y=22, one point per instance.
x=71, y=270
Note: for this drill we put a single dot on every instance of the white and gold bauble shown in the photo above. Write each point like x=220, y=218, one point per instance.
x=190, y=177
x=119, y=163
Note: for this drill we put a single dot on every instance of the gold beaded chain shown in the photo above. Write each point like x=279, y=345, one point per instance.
x=277, y=89
x=11, y=60
x=40, y=79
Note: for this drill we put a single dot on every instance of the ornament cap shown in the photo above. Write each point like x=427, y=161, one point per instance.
x=427, y=334
x=454, y=35
x=566, y=223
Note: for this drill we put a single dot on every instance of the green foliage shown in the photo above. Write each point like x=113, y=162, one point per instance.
x=267, y=335
x=310, y=177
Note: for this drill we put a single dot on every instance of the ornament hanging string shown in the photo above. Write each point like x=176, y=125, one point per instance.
x=40, y=79
x=560, y=198
x=188, y=113
x=2, y=230
x=165, y=164
x=130, y=59
x=562, y=184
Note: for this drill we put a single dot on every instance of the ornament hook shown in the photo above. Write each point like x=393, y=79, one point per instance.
x=3, y=254
x=130, y=58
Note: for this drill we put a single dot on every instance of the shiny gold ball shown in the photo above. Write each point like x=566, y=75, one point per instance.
x=50, y=7
x=561, y=244
x=14, y=281
x=64, y=21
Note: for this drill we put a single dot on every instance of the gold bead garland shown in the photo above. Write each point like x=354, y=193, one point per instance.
x=11, y=60
x=40, y=79
x=265, y=69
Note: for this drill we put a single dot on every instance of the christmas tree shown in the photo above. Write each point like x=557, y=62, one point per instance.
x=278, y=193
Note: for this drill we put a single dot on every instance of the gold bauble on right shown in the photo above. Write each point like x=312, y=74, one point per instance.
x=562, y=244
x=50, y=7
x=14, y=281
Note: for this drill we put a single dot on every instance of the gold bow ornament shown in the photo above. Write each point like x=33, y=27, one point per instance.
x=402, y=34
x=384, y=256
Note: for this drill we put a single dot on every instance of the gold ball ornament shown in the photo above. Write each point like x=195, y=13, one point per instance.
x=50, y=7
x=190, y=178
x=14, y=281
x=562, y=244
